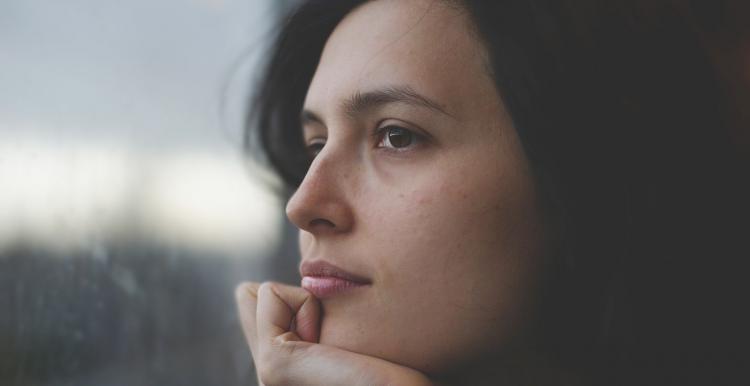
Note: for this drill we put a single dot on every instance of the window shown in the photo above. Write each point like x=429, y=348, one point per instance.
x=127, y=210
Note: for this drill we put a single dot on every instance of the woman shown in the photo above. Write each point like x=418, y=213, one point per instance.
x=512, y=192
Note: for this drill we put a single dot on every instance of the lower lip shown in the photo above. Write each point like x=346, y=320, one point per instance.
x=326, y=286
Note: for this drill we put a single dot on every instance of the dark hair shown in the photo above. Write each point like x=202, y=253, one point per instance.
x=623, y=118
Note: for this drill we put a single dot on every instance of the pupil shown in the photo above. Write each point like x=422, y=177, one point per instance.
x=399, y=137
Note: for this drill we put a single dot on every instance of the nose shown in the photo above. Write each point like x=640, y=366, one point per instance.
x=320, y=204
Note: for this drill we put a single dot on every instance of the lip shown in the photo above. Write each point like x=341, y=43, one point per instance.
x=325, y=280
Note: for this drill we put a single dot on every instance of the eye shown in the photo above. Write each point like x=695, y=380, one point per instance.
x=396, y=137
x=315, y=146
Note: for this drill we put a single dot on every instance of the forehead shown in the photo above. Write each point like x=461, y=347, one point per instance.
x=424, y=44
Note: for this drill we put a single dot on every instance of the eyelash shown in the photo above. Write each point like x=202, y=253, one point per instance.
x=315, y=146
x=380, y=136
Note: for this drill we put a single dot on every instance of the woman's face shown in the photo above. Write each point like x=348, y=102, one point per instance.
x=421, y=187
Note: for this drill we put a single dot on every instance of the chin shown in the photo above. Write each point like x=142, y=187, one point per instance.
x=377, y=338
x=349, y=334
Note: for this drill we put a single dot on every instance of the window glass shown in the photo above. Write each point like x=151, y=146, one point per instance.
x=128, y=212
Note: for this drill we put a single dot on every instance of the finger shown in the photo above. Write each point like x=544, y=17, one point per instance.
x=289, y=356
x=316, y=364
x=247, y=303
x=279, y=305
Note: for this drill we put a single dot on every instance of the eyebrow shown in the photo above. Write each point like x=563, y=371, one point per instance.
x=361, y=102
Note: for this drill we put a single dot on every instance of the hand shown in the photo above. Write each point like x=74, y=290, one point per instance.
x=282, y=327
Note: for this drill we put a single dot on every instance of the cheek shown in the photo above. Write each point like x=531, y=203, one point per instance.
x=464, y=239
x=433, y=235
x=447, y=288
x=448, y=212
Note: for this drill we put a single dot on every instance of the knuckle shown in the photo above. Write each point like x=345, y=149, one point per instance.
x=244, y=291
x=263, y=286
x=267, y=286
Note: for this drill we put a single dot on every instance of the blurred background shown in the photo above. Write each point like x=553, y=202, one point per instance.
x=128, y=210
